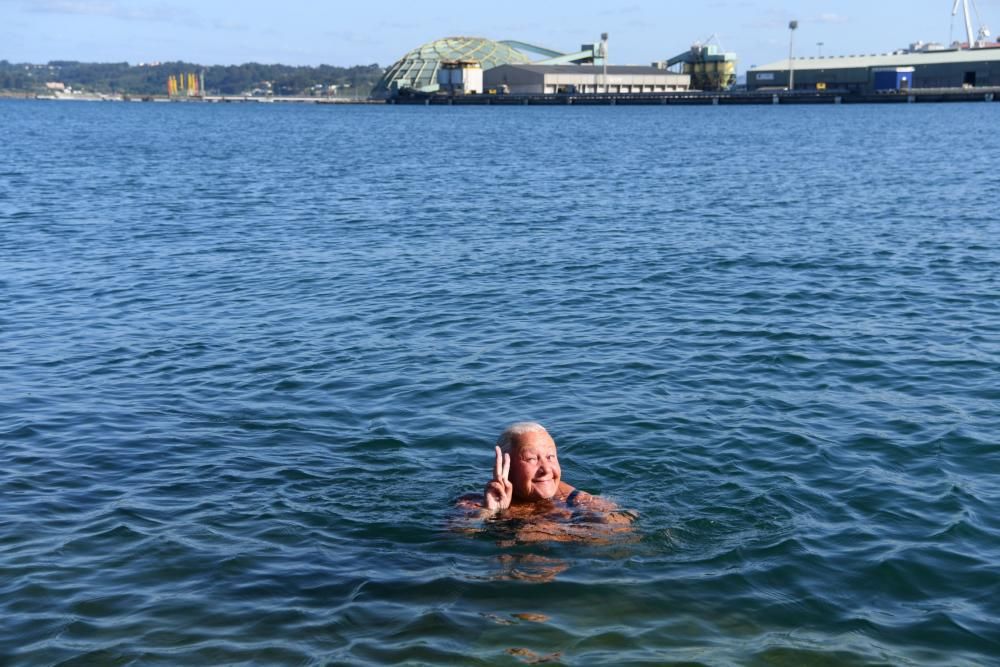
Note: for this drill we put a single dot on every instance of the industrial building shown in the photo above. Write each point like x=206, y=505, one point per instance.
x=972, y=64
x=944, y=68
x=709, y=67
x=475, y=65
x=418, y=69
x=460, y=77
x=580, y=79
x=462, y=66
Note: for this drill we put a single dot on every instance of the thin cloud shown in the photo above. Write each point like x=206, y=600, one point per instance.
x=102, y=8
x=767, y=24
x=834, y=19
x=621, y=11
x=774, y=19
x=69, y=7
x=234, y=26
x=349, y=36
x=770, y=19
x=386, y=24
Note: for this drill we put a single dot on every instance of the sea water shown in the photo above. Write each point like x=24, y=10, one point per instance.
x=250, y=354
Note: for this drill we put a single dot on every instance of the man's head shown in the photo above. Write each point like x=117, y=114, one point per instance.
x=534, y=465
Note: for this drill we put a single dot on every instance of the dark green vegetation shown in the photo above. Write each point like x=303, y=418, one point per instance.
x=219, y=79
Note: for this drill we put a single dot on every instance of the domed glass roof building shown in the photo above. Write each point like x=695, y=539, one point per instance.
x=418, y=69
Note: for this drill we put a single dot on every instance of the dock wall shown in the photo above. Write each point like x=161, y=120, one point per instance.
x=708, y=99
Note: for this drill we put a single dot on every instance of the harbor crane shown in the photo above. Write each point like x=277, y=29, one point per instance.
x=980, y=39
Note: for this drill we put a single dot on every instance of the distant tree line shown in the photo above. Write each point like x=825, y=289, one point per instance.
x=219, y=79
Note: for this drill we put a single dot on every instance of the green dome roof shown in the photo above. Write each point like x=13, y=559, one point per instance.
x=418, y=69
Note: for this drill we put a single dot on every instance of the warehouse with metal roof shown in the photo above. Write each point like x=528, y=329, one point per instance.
x=582, y=79
x=945, y=68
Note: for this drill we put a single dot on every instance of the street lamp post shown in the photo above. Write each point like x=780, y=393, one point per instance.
x=604, y=59
x=819, y=45
x=792, y=25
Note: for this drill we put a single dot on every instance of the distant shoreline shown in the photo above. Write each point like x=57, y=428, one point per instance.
x=209, y=99
x=688, y=98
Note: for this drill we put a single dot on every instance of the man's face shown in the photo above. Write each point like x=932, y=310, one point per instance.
x=534, y=467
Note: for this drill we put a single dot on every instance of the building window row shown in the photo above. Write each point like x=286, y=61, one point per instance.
x=583, y=89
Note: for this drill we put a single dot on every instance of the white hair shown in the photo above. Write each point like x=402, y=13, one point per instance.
x=506, y=440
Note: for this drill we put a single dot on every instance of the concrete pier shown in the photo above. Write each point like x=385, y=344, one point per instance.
x=695, y=98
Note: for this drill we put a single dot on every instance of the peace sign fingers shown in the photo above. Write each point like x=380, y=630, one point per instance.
x=501, y=467
x=499, y=491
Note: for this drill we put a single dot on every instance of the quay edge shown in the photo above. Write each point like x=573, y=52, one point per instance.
x=694, y=98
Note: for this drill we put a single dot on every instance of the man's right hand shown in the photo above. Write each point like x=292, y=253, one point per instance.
x=499, y=491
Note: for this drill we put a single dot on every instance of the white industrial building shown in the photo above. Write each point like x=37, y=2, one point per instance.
x=460, y=77
x=582, y=79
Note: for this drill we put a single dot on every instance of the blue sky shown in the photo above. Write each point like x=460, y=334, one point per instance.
x=380, y=31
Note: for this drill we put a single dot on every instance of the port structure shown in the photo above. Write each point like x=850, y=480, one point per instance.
x=971, y=62
x=589, y=54
x=417, y=71
x=710, y=67
x=979, y=41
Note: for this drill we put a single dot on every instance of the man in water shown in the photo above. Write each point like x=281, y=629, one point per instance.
x=527, y=481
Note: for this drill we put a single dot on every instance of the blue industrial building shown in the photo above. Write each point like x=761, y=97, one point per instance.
x=893, y=79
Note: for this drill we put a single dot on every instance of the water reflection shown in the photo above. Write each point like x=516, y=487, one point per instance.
x=528, y=567
x=532, y=658
x=541, y=524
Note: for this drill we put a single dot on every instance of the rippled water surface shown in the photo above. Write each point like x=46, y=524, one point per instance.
x=249, y=355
